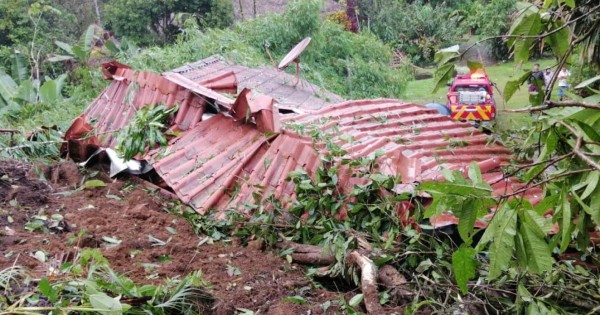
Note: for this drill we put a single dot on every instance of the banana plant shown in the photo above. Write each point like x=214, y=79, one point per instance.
x=17, y=88
x=80, y=52
x=125, y=48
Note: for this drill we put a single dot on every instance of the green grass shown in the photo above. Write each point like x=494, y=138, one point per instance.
x=420, y=92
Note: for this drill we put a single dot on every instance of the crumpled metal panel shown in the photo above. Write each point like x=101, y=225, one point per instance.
x=305, y=97
x=201, y=164
x=418, y=144
x=223, y=164
x=131, y=90
x=234, y=159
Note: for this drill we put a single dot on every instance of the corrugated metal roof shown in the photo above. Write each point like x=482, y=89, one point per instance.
x=418, y=143
x=129, y=91
x=304, y=97
x=234, y=158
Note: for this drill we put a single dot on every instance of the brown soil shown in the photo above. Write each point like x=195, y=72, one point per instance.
x=240, y=277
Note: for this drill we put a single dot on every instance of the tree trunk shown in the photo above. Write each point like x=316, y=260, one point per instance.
x=396, y=283
x=308, y=254
x=97, y=9
x=241, y=10
x=368, y=281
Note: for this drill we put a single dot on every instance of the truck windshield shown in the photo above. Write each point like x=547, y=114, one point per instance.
x=470, y=88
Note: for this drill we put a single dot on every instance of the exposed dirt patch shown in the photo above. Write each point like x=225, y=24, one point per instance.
x=139, y=238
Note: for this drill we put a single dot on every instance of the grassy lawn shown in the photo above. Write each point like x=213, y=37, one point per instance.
x=420, y=92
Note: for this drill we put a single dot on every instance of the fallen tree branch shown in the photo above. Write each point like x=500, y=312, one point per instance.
x=578, y=145
x=396, y=282
x=525, y=188
x=368, y=281
x=9, y=131
x=554, y=104
x=308, y=254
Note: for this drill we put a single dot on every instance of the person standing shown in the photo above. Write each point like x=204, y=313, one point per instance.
x=563, y=84
x=548, y=73
x=537, y=77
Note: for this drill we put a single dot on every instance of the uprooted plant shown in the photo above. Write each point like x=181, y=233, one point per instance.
x=144, y=131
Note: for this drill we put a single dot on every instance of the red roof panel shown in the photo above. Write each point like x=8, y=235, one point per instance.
x=227, y=161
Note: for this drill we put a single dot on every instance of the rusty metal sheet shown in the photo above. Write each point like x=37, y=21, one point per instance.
x=235, y=158
x=417, y=142
x=129, y=91
x=304, y=97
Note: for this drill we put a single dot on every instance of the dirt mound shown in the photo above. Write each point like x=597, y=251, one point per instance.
x=17, y=185
x=59, y=217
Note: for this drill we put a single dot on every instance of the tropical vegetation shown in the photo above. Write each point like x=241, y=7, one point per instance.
x=47, y=77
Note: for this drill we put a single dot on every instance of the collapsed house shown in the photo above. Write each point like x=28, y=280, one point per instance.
x=238, y=129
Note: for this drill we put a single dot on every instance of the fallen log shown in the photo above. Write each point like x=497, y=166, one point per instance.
x=308, y=254
x=368, y=281
x=396, y=282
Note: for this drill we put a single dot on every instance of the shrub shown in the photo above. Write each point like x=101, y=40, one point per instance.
x=154, y=21
x=416, y=28
x=352, y=65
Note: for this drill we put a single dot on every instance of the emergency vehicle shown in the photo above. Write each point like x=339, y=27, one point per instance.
x=471, y=97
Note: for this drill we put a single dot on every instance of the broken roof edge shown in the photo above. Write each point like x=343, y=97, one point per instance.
x=303, y=98
x=288, y=149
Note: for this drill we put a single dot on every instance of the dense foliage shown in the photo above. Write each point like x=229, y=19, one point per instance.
x=419, y=28
x=352, y=65
x=513, y=267
x=564, y=145
x=157, y=21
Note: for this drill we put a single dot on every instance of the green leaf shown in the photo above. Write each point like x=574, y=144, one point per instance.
x=546, y=204
x=474, y=65
x=587, y=82
x=47, y=92
x=475, y=173
x=570, y=3
x=539, y=258
x=18, y=67
x=355, y=300
x=536, y=99
x=595, y=204
x=47, y=290
x=111, y=240
x=171, y=230
x=529, y=25
x=7, y=88
x=108, y=305
x=450, y=188
x=59, y=58
x=463, y=266
x=295, y=299
x=26, y=93
x=592, y=180
x=80, y=54
x=501, y=231
x=445, y=55
x=64, y=46
x=538, y=224
x=110, y=45
x=467, y=215
x=593, y=212
x=88, y=37
x=559, y=40
x=512, y=86
x=442, y=76
x=565, y=228
x=94, y=183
